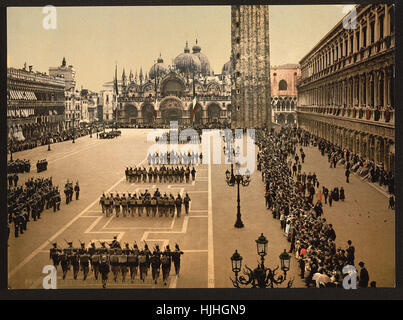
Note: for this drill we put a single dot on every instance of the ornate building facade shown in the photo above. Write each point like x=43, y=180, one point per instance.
x=35, y=103
x=283, y=87
x=166, y=93
x=346, y=92
x=250, y=68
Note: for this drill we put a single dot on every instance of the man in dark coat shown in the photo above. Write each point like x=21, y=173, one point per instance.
x=364, y=276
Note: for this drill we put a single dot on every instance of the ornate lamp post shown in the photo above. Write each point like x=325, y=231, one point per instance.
x=260, y=277
x=74, y=131
x=237, y=179
x=48, y=141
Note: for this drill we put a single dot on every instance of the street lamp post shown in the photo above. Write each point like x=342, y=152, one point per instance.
x=49, y=141
x=260, y=277
x=74, y=131
x=238, y=179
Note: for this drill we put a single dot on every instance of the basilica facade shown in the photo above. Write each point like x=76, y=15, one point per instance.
x=187, y=91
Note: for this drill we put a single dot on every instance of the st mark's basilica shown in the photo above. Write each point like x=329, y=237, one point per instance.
x=187, y=91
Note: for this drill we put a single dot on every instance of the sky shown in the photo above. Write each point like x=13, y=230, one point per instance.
x=94, y=39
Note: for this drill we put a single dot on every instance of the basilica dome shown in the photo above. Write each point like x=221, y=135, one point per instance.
x=187, y=62
x=205, y=64
x=159, y=69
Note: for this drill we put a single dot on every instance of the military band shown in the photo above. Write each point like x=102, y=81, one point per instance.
x=120, y=262
x=26, y=203
x=161, y=174
x=163, y=205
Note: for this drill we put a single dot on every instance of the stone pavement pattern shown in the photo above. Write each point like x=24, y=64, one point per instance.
x=207, y=235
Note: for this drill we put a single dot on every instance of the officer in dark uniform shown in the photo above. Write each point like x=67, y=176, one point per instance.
x=116, y=203
x=115, y=243
x=77, y=190
x=65, y=262
x=186, y=202
x=75, y=261
x=176, y=258
x=193, y=172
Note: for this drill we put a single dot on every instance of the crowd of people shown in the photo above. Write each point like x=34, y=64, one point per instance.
x=136, y=203
x=26, y=203
x=18, y=166
x=112, y=257
x=164, y=174
x=41, y=165
x=311, y=237
x=55, y=137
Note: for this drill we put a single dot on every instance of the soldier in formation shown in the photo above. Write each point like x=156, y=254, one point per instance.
x=136, y=203
x=18, y=166
x=161, y=174
x=102, y=260
x=26, y=203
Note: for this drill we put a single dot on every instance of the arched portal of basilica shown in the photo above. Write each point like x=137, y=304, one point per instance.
x=171, y=110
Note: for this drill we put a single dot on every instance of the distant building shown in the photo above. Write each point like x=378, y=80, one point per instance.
x=283, y=87
x=165, y=93
x=35, y=103
x=66, y=72
x=347, y=88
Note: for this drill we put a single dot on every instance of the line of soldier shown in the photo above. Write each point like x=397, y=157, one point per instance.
x=164, y=174
x=119, y=260
x=29, y=202
x=163, y=205
x=18, y=166
x=174, y=157
x=69, y=191
x=41, y=165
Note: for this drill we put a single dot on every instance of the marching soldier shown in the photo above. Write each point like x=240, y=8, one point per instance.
x=155, y=266
x=84, y=260
x=109, y=205
x=123, y=262
x=95, y=259
x=193, y=172
x=187, y=174
x=166, y=264
x=178, y=203
x=124, y=205
x=132, y=204
x=150, y=175
x=56, y=201
x=104, y=269
x=186, y=202
x=115, y=243
x=127, y=174
x=77, y=190
x=133, y=261
x=116, y=203
x=143, y=265
x=147, y=204
x=139, y=203
x=54, y=254
x=176, y=258
x=102, y=202
x=64, y=262
x=75, y=262
x=153, y=204
x=114, y=261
